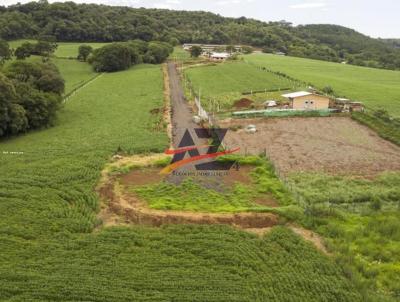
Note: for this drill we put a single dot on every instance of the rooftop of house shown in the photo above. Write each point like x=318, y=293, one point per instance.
x=297, y=94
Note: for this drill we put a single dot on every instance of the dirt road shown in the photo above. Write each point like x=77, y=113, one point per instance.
x=182, y=113
x=182, y=120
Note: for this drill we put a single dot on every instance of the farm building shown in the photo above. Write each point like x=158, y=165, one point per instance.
x=219, y=56
x=303, y=100
x=210, y=47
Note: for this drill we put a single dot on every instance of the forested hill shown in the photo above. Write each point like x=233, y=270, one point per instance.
x=89, y=22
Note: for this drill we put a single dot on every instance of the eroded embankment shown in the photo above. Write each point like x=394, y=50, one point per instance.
x=119, y=208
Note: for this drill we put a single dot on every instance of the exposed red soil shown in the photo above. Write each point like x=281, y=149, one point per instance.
x=243, y=103
x=234, y=176
x=334, y=145
x=142, y=176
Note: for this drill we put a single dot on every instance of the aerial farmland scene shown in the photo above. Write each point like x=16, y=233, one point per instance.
x=205, y=151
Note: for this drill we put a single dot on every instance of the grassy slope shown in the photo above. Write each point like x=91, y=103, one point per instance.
x=226, y=82
x=48, y=212
x=74, y=72
x=375, y=87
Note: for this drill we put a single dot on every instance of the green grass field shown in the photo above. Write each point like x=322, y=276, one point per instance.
x=67, y=49
x=226, y=82
x=374, y=87
x=75, y=73
x=64, y=49
x=53, y=250
x=179, y=54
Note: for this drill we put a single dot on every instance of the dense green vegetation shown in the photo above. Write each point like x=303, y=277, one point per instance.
x=359, y=218
x=374, y=87
x=40, y=48
x=181, y=263
x=120, y=56
x=30, y=96
x=5, y=52
x=191, y=196
x=225, y=83
x=99, y=23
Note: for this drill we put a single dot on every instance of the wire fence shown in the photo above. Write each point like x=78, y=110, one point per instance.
x=83, y=85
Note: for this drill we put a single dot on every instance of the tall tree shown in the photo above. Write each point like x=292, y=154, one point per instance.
x=5, y=51
x=195, y=51
x=84, y=51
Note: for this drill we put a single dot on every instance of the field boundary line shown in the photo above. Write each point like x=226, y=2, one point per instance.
x=81, y=86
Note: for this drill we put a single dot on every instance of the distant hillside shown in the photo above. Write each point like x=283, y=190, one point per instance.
x=89, y=22
x=392, y=42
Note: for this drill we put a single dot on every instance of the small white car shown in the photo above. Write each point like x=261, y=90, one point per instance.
x=251, y=129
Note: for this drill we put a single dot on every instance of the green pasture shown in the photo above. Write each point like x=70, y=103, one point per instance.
x=376, y=88
x=70, y=50
x=179, y=54
x=64, y=49
x=224, y=83
x=74, y=72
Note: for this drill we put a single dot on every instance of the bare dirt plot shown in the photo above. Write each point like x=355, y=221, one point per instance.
x=335, y=145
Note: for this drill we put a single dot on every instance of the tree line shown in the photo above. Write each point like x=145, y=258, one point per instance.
x=99, y=23
x=122, y=55
x=30, y=95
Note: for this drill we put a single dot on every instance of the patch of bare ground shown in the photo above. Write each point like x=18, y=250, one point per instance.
x=142, y=176
x=241, y=175
x=334, y=145
x=310, y=236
